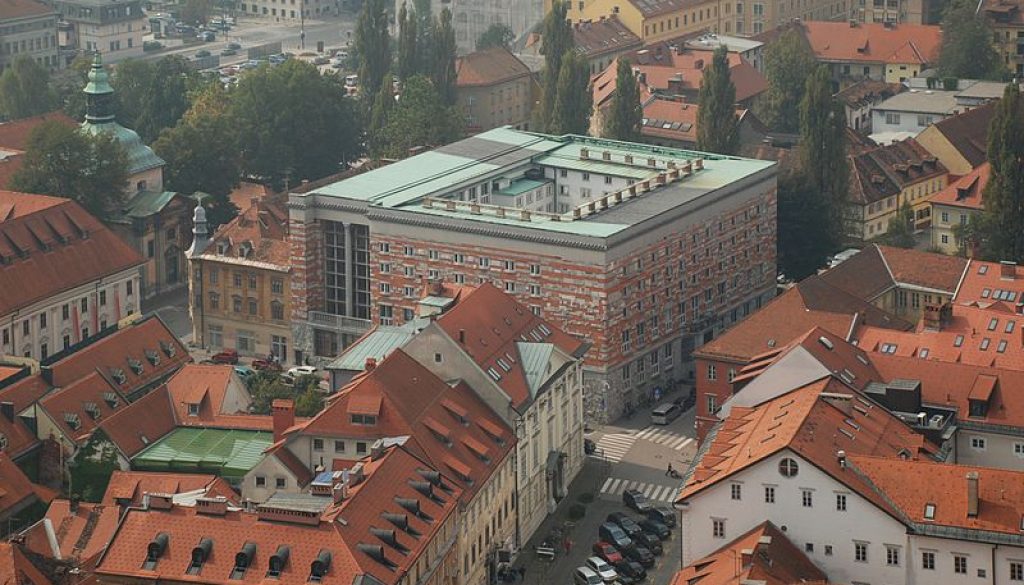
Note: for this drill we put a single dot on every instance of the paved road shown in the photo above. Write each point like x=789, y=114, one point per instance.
x=173, y=309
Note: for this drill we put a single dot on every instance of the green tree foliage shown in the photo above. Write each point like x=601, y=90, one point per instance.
x=900, y=231
x=153, y=95
x=265, y=387
x=424, y=34
x=556, y=41
x=804, y=237
x=444, y=73
x=376, y=132
x=202, y=153
x=196, y=11
x=787, y=63
x=823, y=149
x=498, y=34
x=1001, y=228
x=573, y=100
x=293, y=123
x=68, y=84
x=61, y=161
x=967, y=50
x=373, y=42
x=717, y=125
x=408, y=58
x=94, y=463
x=419, y=119
x=626, y=116
x=25, y=89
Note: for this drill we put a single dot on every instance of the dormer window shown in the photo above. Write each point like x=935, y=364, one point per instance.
x=929, y=511
x=245, y=249
x=193, y=409
x=199, y=556
x=92, y=409
x=111, y=399
x=152, y=357
x=278, y=561
x=222, y=248
x=243, y=560
x=135, y=365
x=363, y=419
x=118, y=375
x=72, y=420
x=318, y=568
x=154, y=551
x=167, y=348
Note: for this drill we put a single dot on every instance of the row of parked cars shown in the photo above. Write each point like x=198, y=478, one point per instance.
x=628, y=543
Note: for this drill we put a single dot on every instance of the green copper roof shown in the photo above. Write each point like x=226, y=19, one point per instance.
x=522, y=186
x=140, y=157
x=227, y=453
x=147, y=203
x=535, y=358
x=98, y=79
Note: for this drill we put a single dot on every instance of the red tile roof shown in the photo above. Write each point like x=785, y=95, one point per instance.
x=123, y=352
x=605, y=35
x=867, y=92
x=967, y=191
x=1000, y=493
x=17, y=569
x=763, y=555
x=412, y=401
x=128, y=487
x=20, y=439
x=811, y=303
x=887, y=170
x=223, y=401
x=141, y=423
x=25, y=392
x=842, y=42
x=968, y=132
x=487, y=324
x=263, y=226
x=983, y=282
x=1004, y=12
x=489, y=67
x=340, y=530
x=81, y=535
x=49, y=245
x=78, y=407
x=15, y=488
x=14, y=135
x=877, y=269
x=811, y=425
x=246, y=191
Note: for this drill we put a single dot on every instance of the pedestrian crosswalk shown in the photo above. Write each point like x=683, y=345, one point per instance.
x=655, y=492
x=614, y=446
x=663, y=436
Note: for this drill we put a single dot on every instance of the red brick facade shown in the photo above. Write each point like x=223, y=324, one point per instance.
x=714, y=387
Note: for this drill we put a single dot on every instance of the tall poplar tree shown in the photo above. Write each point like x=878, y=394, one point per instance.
x=443, y=72
x=823, y=148
x=626, y=116
x=408, y=58
x=787, y=63
x=573, y=101
x=1002, y=225
x=373, y=44
x=555, y=43
x=967, y=50
x=717, y=125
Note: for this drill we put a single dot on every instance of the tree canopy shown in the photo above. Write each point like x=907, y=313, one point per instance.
x=717, y=124
x=498, y=34
x=1001, y=227
x=265, y=387
x=900, y=231
x=64, y=162
x=573, y=100
x=444, y=73
x=823, y=149
x=294, y=123
x=803, y=230
x=408, y=56
x=787, y=63
x=25, y=89
x=419, y=119
x=153, y=95
x=967, y=50
x=557, y=40
x=373, y=43
x=626, y=115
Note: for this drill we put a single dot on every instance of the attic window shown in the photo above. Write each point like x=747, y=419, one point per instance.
x=850, y=422
x=167, y=348
x=993, y=323
x=222, y=248
x=958, y=341
x=923, y=353
x=118, y=375
x=888, y=348
x=544, y=329
x=929, y=511
x=1001, y=348
x=984, y=344
x=319, y=567
x=826, y=342
x=493, y=374
x=376, y=552
x=243, y=560
x=390, y=538
x=509, y=357
x=363, y=419
x=200, y=554
x=278, y=561
x=1009, y=326
x=401, y=521
x=983, y=269
x=72, y=420
x=504, y=365
x=152, y=357
x=862, y=359
x=92, y=409
x=111, y=399
x=985, y=293
x=848, y=434
x=193, y=409
x=154, y=551
x=135, y=365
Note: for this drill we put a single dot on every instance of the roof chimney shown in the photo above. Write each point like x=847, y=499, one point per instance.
x=462, y=336
x=841, y=456
x=217, y=506
x=972, y=494
x=370, y=365
x=1007, y=270
x=7, y=410
x=283, y=411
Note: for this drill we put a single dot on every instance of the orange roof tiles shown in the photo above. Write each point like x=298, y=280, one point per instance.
x=877, y=269
x=681, y=118
x=605, y=35
x=263, y=225
x=486, y=323
x=763, y=555
x=142, y=422
x=15, y=488
x=49, y=245
x=211, y=386
x=885, y=171
x=14, y=135
x=24, y=392
x=16, y=568
x=489, y=67
x=78, y=408
x=966, y=192
x=412, y=405
x=81, y=534
x=968, y=132
x=1000, y=493
x=873, y=42
x=986, y=282
x=129, y=487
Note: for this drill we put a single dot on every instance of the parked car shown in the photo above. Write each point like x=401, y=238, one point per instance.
x=586, y=576
x=207, y=36
x=228, y=356
x=656, y=528
x=321, y=60
x=250, y=64
x=649, y=541
x=612, y=534
x=245, y=372
x=663, y=515
x=663, y=414
x=625, y=522
x=202, y=53
x=607, y=552
x=630, y=572
x=337, y=63
x=234, y=46
x=602, y=568
x=297, y=371
x=636, y=500
x=640, y=554
x=267, y=365
x=228, y=52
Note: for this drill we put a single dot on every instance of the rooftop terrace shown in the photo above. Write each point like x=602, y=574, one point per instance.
x=227, y=453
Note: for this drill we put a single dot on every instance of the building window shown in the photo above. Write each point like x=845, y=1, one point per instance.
x=788, y=467
x=339, y=446
x=712, y=372
x=277, y=286
x=245, y=342
x=277, y=311
x=807, y=497
x=236, y=304
x=238, y=279
x=1016, y=571
x=214, y=301
x=841, y=502
x=978, y=443
x=960, y=564
x=318, y=444
x=85, y=305
x=769, y=494
x=928, y=560
x=860, y=552
x=892, y=556
x=65, y=309
x=214, y=275
x=103, y=298
x=737, y=491
x=253, y=307
x=360, y=448
x=712, y=404
x=828, y=550
x=280, y=483
x=252, y=281
x=433, y=254
x=718, y=528
x=279, y=346
x=261, y=481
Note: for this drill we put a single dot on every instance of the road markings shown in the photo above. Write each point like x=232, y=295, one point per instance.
x=654, y=492
x=663, y=436
x=614, y=446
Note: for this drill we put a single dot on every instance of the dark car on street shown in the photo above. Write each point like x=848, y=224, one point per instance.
x=656, y=528
x=608, y=552
x=228, y=356
x=612, y=534
x=663, y=515
x=630, y=572
x=625, y=522
x=636, y=501
x=649, y=541
x=640, y=554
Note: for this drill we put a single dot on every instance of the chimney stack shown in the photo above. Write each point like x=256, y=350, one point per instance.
x=462, y=336
x=283, y=411
x=1007, y=270
x=370, y=365
x=972, y=494
x=841, y=456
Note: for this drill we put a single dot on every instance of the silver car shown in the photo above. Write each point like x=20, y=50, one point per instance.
x=602, y=568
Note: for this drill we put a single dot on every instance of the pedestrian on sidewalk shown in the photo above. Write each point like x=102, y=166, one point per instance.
x=522, y=573
x=567, y=544
x=670, y=471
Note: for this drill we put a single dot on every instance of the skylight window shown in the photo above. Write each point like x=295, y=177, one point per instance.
x=1001, y=348
x=923, y=353
x=958, y=341
x=983, y=269
x=985, y=293
x=929, y=511
x=992, y=324
x=504, y=365
x=1009, y=326
x=984, y=344
x=493, y=374
x=888, y=348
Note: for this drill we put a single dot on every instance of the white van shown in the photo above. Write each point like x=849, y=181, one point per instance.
x=665, y=413
x=351, y=80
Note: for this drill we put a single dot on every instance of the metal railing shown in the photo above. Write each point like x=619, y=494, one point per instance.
x=339, y=322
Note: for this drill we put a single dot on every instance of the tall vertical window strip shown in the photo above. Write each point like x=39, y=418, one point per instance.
x=361, y=279
x=335, y=268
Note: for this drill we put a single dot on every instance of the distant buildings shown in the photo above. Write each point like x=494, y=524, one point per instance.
x=860, y=99
x=28, y=27
x=960, y=142
x=472, y=19
x=879, y=51
x=112, y=28
x=292, y=12
x=494, y=88
x=603, y=39
x=1006, y=19
x=956, y=206
x=591, y=233
x=911, y=112
x=673, y=122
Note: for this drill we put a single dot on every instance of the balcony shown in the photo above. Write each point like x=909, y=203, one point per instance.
x=340, y=323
